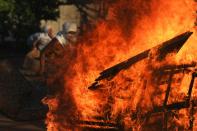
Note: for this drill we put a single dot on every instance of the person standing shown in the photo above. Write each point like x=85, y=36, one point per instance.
x=39, y=42
x=46, y=33
x=52, y=55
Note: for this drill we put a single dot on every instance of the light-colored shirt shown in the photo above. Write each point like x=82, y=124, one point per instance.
x=60, y=37
x=44, y=40
x=41, y=36
x=32, y=38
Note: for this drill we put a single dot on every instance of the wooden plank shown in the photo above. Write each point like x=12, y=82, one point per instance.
x=170, y=46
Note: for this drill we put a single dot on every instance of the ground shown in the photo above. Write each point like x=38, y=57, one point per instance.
x=20, y=106
x=7, y=124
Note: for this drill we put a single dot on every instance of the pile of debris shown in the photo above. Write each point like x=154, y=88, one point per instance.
x=160, y=116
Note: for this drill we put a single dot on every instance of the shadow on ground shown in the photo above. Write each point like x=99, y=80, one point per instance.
x=20, y=99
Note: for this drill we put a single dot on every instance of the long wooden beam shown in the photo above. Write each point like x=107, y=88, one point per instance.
x=171, y=46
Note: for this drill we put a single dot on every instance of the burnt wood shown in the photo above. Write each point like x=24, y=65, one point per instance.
x=171, y=46
x=194, y=75
x=98, y=125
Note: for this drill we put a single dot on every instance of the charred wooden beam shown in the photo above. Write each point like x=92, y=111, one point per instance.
x=177, y=67
x=194, y=75
x=123, y=65
x=165, y=120
x=167, y=70
x=173, y=45
x=175, y=106
x=168, y=89
x=98, y=124
x=165, y=113
x=191, y=117
x=170, y=107
x=191, y=102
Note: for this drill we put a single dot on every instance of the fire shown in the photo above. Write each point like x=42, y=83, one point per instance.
x=130, y=28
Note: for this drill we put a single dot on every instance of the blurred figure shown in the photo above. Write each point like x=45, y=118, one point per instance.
x=46, y=34
x=66, y=37
x=52, y=55
x=44, y=38
x=37, y=42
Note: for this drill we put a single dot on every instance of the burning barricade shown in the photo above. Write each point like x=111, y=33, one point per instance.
x=148, y=91
x=126, y=103
x=166, y=79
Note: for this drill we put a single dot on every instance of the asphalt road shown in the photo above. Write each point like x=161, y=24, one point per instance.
x=7, y=124
x=15, y=58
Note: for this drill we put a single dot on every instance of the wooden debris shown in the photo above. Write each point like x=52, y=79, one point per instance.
x=170, y=46
x=98, y=125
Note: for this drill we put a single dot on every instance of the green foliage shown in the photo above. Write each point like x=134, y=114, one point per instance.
x=6, y=5
x=22, y=17
x=6, y=9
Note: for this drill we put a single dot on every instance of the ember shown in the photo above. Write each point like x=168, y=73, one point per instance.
x=153, y=90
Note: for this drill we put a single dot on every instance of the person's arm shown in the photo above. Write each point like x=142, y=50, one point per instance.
x=36, y=43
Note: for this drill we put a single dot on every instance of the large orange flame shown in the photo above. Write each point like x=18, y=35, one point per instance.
x=131, y=27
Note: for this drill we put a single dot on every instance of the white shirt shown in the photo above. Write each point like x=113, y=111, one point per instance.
x=44, y=40
x=60, y=37
x=43, y=37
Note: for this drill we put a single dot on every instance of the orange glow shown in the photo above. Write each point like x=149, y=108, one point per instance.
x=131, y=27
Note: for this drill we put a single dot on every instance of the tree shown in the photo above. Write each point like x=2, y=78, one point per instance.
x=6, y=7
x=22, y=17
